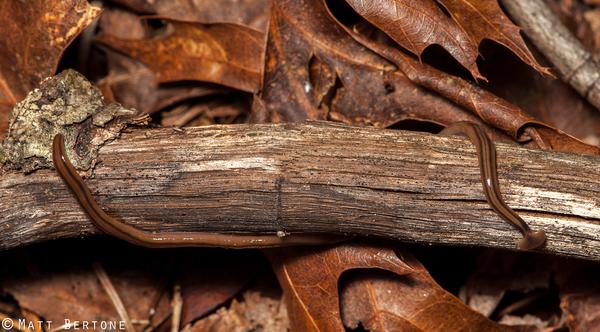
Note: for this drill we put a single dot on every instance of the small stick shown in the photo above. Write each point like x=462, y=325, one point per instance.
x=573, y=62
x=113, y=295
x=177, y=307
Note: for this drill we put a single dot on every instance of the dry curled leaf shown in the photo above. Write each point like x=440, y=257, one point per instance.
x=488, y=107
x=415, y=25
x=133, y=84
x=409, y=299
x=34, y=35
x=315, y=70
x=252, y=13
x=221, y=53
x=381, y=301
x=549, y=100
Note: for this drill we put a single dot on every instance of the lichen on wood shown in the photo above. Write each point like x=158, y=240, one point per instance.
x=69, y=104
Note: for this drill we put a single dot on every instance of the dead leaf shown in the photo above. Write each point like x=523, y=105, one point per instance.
x=415, y=25
x=484, y=19
x=221, y=53
x=34, y=35
x=257, y=312
x=315, y=70
x=68, y=288
x=381, y=301
x=133, y=84
x=488, y=107
x=251, y=13
x=212, y=277
x=410, y=300
x=549, y=100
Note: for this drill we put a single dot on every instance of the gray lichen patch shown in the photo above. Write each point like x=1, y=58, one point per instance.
x=69, y=104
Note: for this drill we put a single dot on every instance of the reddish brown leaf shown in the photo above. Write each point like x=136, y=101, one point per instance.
x=550, y=138
x=309, y=277
x=483, y=19
x=132, y=84
x=34, y=35
x=211, y=277
x=549, y=100
x=226, y=54
x=488, y=107
x=252, y=13
x=306, y=49
x=315, y=70
x=417, y=25
x=381, y=301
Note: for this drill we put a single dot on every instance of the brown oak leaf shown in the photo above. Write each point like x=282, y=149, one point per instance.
x=34, y=35
x=222, y=53
x=411, y=300
x=415, y=25
x=316, y=70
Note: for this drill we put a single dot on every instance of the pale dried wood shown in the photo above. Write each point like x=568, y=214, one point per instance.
x=314, y=177
x=573, y=62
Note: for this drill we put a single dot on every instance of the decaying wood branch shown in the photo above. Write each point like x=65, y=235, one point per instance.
x=314, y=177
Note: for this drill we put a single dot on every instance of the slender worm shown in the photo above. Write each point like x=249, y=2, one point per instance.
x=117, y=228
x=486, y=153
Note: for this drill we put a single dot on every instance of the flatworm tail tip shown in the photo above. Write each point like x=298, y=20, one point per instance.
x=532, y=240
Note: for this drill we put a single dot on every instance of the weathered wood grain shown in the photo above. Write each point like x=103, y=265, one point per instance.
x=575, y=65
x=314, y=177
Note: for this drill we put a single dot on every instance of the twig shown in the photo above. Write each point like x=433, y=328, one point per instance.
x=177, y=307
x=315, y=178
x=113, y=295
x=573, y=62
